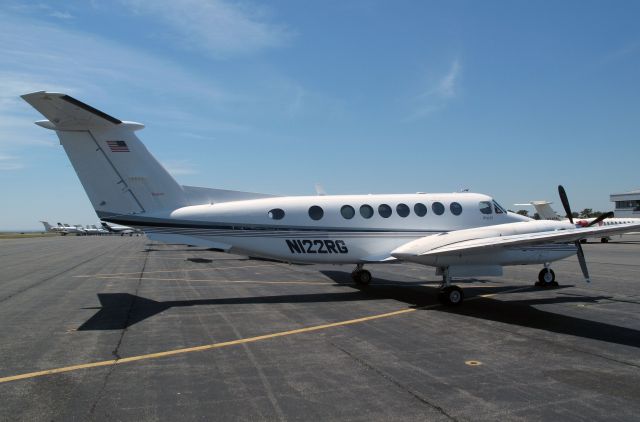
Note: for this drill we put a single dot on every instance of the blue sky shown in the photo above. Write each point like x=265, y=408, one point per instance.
x=507, y=98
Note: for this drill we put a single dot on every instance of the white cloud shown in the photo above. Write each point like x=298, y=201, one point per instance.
x=438, y=94
x=39, y=56
x=621, y=53
x=221, y=28
x=179, y=167
x=38, y=8
x=447, y=86
x=8, y=163
x=61, y=15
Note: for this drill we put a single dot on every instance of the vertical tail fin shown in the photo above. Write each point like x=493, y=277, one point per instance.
x=116, y=170
x=47, y=226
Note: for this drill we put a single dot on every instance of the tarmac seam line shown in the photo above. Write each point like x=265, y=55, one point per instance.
x=394, y=382
x=115, y=351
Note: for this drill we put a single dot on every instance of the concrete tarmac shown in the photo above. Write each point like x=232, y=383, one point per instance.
x=120, y=328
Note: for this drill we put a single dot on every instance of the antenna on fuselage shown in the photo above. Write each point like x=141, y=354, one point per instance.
x=320, y=190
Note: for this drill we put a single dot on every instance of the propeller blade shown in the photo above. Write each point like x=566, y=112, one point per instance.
x=600, y=218
x=565, y=203
x=583, y=262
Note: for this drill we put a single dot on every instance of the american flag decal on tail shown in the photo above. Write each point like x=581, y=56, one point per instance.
x=118, y=146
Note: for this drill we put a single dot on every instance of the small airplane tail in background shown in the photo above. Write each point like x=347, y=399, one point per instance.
x=107, y=227
x=117, y=171
x=544, y=210
x=54, y=229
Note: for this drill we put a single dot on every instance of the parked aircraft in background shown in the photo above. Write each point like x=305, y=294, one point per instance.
x=460, y=234
x=544, y=210
x=119, y=229
x=77, y=229
x=94, y=231
x=65, y=229
x=54, y=229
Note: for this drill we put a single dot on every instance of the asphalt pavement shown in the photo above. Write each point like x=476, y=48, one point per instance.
x=123, y=328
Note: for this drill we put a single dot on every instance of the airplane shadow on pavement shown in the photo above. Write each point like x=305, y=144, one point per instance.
x=118, y=311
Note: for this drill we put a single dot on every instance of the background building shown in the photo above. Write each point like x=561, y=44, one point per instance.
x=627, y=204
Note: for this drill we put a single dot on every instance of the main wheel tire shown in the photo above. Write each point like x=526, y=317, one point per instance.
x=604, y=240
x=451, y=295
x=546, y=278
x=362, y=277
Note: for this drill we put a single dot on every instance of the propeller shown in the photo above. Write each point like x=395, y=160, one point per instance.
x=600, y=218
x=580, y=253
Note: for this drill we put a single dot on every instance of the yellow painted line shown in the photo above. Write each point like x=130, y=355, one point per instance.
x=227, y=343
x=202, y=348
x=176, y=271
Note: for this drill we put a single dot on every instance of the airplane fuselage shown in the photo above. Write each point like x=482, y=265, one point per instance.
x=335, y=229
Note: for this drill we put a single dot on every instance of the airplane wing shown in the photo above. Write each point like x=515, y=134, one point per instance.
x=536, y=238
x=66, y=113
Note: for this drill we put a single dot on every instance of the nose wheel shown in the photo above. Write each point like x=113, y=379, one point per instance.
x=546, y=278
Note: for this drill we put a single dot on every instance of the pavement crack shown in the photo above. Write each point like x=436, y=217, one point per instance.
x=116, y=351
x=263, y=377
x=392, y=380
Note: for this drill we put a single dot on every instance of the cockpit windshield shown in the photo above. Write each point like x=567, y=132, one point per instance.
x=498, y=208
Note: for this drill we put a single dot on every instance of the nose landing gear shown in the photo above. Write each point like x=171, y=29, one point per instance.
x=546, y=278
x=449, y=294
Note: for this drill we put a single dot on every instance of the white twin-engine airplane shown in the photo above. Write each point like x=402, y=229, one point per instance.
x=460, y=234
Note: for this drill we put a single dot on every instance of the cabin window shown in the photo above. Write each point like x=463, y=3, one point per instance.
x=276, y=214
x=315, y=212
x=420, y=209
x=485, y=207
x=347, y=212
x=366, y=211
x=456, y=208
x=384, y=210
x=403, y=210
x=438, y=208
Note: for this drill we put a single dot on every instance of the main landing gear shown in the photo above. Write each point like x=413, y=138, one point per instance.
x=546, y=278
x=361, y=276
x=449, y=294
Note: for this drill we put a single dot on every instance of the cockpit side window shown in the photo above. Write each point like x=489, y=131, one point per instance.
x=498, y=208
x=485, y=207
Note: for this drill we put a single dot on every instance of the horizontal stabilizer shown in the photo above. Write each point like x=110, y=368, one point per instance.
x=66, y=113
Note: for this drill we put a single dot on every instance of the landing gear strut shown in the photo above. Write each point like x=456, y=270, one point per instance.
x=546, y=278
x=361, y=276
x=449, y=294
